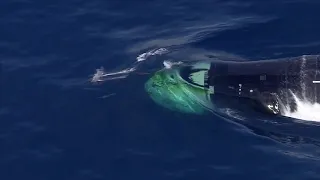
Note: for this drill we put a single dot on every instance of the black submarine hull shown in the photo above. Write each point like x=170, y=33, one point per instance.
x=269, y=86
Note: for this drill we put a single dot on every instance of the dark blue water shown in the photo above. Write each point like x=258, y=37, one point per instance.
x=55, y=125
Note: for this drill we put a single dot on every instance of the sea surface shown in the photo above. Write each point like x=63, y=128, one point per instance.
x=56, y=124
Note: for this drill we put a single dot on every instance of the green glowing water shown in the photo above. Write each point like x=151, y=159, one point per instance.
x=168, y=89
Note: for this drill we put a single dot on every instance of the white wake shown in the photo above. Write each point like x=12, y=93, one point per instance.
x=305, y=110
x=101, y=75
x=146, y=55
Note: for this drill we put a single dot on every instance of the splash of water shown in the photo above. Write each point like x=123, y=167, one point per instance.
x=305, y=110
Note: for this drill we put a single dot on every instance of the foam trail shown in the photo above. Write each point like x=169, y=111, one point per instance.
x=101, y=75
x=146, y=55
x=305, y=110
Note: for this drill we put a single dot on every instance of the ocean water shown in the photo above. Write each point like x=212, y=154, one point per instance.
x=56, y=124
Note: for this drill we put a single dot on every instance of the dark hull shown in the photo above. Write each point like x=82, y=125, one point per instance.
x=269, y=85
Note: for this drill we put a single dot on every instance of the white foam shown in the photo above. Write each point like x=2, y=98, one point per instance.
x=146, y=55
x=101, y=75
x=305, y=110
x=168, y=64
